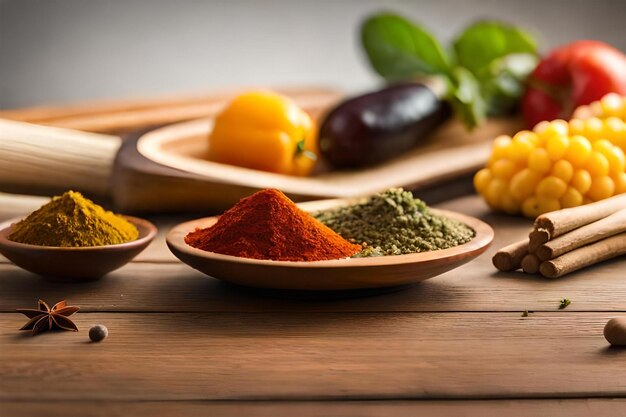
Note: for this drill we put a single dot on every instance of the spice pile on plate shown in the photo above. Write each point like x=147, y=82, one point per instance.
x=267, y=225
x=395, y=223
x=71, y=220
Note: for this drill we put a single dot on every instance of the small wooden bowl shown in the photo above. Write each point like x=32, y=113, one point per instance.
x=342, y=274
x=76, y=264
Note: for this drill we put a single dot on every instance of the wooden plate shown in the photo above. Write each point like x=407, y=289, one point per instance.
x=343, y=274
x=75, y=264
x=451, y=152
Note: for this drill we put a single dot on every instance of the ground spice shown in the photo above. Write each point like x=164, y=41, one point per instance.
x=267, y=225
x=395, y=223
x=71, y=220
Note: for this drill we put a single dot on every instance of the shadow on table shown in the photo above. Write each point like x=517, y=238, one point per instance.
x=186, y=290
x=611, y=266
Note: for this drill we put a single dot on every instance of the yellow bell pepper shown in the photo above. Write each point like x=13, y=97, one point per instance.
x=266, y=131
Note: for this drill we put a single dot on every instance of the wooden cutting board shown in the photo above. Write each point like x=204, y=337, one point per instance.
x=162, y=169
x=449, y=154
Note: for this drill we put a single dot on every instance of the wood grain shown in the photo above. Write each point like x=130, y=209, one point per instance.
x=597, y=407
x=153, y=287
x=221, y=348
x=325, y=356
x=54, y=159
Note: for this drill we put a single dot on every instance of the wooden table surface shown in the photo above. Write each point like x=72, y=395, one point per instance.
x=181, y=343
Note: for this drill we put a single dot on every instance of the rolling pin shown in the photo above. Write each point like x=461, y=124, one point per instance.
x=48, y=160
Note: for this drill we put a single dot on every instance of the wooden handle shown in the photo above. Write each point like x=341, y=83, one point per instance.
x=39, y=157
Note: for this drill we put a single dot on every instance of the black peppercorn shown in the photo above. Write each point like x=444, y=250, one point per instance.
x=98, y=333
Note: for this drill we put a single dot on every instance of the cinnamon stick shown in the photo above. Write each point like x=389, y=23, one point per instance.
x=510, y=257
x=530, y=263
x=536, y=238
x=599, y=251
x=562, y=221
x=593, y=232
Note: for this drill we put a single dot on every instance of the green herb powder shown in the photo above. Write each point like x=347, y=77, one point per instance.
x=395, y=223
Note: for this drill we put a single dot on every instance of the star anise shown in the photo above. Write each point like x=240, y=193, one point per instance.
x=46, y=318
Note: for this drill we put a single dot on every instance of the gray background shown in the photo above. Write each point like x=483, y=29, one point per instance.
x=56, y=51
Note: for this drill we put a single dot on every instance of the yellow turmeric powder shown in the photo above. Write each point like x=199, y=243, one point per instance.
x=72, y=220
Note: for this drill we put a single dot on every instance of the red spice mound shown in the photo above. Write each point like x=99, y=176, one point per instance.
x=268, y=225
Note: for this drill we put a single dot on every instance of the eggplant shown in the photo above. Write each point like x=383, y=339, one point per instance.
x=371, y=128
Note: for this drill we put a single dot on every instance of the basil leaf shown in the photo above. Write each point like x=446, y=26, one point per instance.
x=507, y=82
x=465, y=97
x=398, y=49
x=483, y=42
x=501, y=57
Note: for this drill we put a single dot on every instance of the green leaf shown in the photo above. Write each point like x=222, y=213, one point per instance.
x=484, y=42
x=507, y=81
x=501, y=57
x=465, y=97
x=398, y=49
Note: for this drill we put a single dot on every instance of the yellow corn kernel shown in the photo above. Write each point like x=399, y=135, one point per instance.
x=594, y=129
x=509, y=204
x=611, y=105
x=579, y=150
x=576, y=126
x=581, y=113
x=556, y=127
x=581, y=181
x=615, y=131
x=530, y=207
x=557, y=146
x=523, y=184
x=519, y=150
x=541, y=127
x=597, y=165
x=619, y=163
x=494, y=191
x=571, y=198
x=563, y=170
x=596, y=109
x=500, y=146
x=601, y=188
x=528, y=136
x=548, y=204
x=482, y=179
x=602, y=146
x=551, y=187
x=504, y=169
x=613, y=154
x=620, y=183
x=539, y=161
